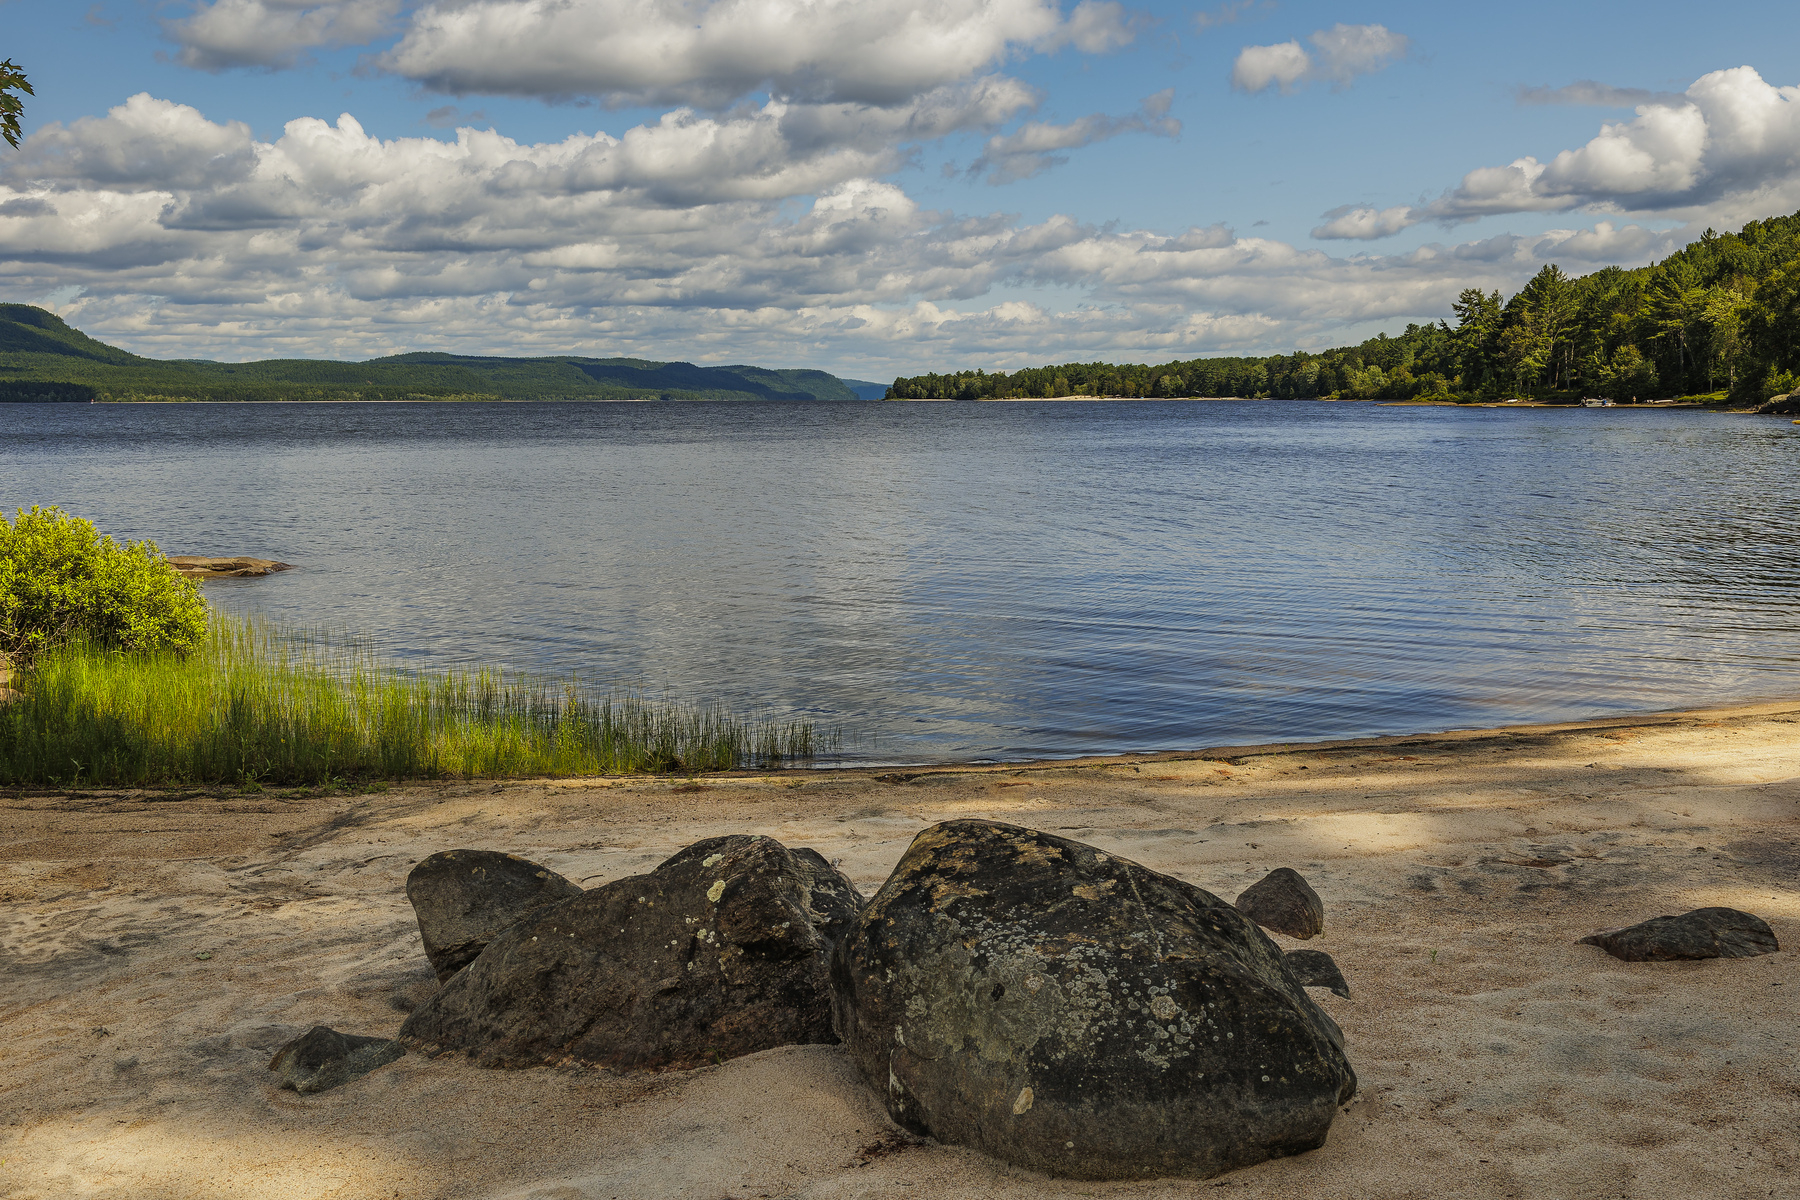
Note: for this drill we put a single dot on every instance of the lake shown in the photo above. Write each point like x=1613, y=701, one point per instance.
x=995, y=581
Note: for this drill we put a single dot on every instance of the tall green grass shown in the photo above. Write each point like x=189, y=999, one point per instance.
x=255, y=704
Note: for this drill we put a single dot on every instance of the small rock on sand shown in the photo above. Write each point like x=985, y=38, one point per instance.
x=322, y=1058
x=1283, y=901
x=1074, y=1013
x=1315, y=968
x=464, y=899
x=1702, y=933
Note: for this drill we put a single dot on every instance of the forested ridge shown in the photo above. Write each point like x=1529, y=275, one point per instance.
x=1719, y=318
x=44, y=359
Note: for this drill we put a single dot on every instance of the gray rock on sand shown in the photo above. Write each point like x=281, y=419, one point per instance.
x=720, y=951
x=322, y=1058
x=1071, y=1012
x=1283, y=901
x=464, y=899
x=1315, y=968
x=1702, y=933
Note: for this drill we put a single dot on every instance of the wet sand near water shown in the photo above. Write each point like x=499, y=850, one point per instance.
x=1496, y=1057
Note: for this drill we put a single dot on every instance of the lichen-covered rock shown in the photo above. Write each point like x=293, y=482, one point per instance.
x=466, y=898
x=1702, y=933
x=322, y=1058
x=1315, y=968
x=722, y=950
x=1075, y=1013
x=1283, y=901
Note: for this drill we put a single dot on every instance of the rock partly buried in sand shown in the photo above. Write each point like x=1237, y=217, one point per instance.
x=1315, y=968
x=1284, y=902
x=198, y=567
x=464, y=899
x=322, y=1058
x=1075, y=1013
x=722, y=950
x=1702, y=933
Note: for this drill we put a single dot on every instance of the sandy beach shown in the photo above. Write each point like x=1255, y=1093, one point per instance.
x=1496, y=1057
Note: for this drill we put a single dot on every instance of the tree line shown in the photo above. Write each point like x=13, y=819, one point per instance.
x=1718, y=318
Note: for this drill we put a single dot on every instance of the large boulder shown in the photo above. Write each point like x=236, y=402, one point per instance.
x=1283, y=901
x=1702, y=933
x=1075, y=1013
x=464, y=899
x=722, y=950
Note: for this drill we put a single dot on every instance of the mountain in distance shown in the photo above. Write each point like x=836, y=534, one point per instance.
x=42, y=358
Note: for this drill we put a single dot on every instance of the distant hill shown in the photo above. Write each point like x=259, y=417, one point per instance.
x=43, y=359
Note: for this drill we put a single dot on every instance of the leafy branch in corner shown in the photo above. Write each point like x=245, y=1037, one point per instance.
x=12, y=79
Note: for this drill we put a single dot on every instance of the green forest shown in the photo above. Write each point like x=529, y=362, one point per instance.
x=1717, y=321
x=43, y=359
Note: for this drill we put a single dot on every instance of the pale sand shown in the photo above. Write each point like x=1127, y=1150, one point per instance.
x=1496, y=1056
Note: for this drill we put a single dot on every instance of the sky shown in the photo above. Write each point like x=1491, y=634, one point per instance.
x=869, y=187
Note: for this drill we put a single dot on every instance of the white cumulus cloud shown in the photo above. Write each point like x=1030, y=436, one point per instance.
x=1338, y=56
x=1728, y=145
x=711, y=52
x=1032, y=148
x=1364, y=223
x=274, y=33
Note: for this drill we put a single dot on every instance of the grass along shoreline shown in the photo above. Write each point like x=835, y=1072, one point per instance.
x=258, y=704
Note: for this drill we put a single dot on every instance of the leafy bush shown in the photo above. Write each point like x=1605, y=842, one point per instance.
x=61, y=577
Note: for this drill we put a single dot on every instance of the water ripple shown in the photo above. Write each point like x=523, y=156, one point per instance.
x=998, y=580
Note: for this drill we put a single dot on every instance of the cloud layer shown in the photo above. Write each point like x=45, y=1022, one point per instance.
x=1338, y=56
x=766, y=234
x=702, y=53
x=759, y=218
x=1730, y=143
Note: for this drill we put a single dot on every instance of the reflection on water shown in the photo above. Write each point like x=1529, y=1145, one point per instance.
x=1006, y=580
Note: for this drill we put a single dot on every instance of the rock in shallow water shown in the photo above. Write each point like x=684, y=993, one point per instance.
x=1702, y=933
x=1078, y=1014
x=322, y=1058
x=1283, y=901
x=195, y=566
x=720, y=951
x=464, y=899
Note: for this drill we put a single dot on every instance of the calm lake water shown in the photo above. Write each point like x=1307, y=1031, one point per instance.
x=954, y=581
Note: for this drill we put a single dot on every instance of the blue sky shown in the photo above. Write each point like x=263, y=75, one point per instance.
x=860, y=185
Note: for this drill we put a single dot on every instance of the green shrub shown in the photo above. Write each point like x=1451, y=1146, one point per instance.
x=60, y=577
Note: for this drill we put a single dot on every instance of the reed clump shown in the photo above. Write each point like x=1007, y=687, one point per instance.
x=255, y=704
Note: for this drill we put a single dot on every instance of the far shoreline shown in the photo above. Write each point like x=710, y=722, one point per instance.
x=1649, y=406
